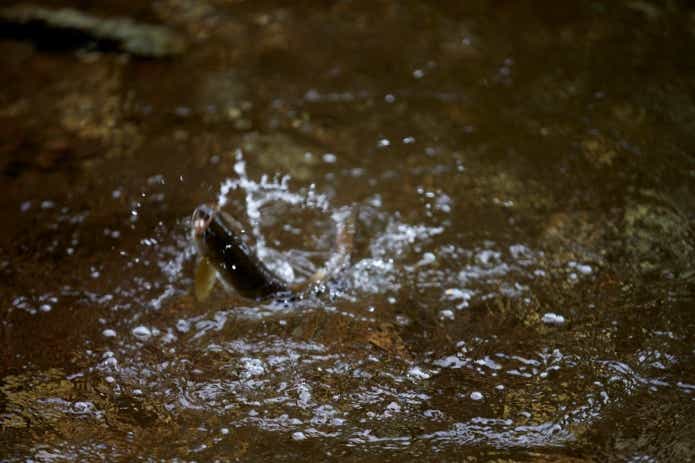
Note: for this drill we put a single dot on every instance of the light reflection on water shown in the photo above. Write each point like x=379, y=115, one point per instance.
x=218, y=365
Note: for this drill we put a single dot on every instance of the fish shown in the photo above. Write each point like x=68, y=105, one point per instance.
x=226, y=256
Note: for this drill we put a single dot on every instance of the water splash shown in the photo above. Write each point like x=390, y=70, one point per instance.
x=267, y=191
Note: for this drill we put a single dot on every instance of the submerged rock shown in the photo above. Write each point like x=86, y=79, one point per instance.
x=68, y=28
x=658, y=232
x=279, y=152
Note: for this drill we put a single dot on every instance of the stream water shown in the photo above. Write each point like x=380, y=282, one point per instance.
x=522, y=282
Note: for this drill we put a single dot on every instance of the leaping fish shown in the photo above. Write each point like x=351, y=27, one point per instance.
x=225, y=255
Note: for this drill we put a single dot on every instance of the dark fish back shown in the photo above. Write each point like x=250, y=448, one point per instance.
x=238, y=263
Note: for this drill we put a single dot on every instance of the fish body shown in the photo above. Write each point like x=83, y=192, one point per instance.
x=226, y=255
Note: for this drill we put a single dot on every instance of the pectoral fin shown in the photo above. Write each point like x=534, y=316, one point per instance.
x=205, y=277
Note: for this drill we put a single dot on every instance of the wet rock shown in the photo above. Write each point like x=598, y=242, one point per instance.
x=386, y=338
x=84, y=118
x=225, y=97
x=97, y=111
x=21, y=395
x=599, y=152
x=277, y=152
x=68, y=28
x=508, y=190
x=658, y=233
x=650, y=11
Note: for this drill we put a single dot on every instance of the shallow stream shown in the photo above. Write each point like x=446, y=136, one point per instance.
x=523, y=278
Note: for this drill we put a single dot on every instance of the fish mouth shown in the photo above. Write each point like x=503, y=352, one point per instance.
x=202, y=216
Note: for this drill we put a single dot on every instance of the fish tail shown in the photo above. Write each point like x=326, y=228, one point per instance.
x=345, y=219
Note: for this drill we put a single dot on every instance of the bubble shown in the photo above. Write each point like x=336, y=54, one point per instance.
x=141, y=332
x=584, y=269
x=392, y=407
x=427, y=258
x=183, y=326
x=418, y=373
x=451, y=361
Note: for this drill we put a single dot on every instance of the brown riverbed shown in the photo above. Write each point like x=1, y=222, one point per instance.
x=522, y=283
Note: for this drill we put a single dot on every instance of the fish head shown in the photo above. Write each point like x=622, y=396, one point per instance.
x=216, y=233
x=202, y=216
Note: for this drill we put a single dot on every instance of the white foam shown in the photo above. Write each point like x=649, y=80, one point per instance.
x=551, y=318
